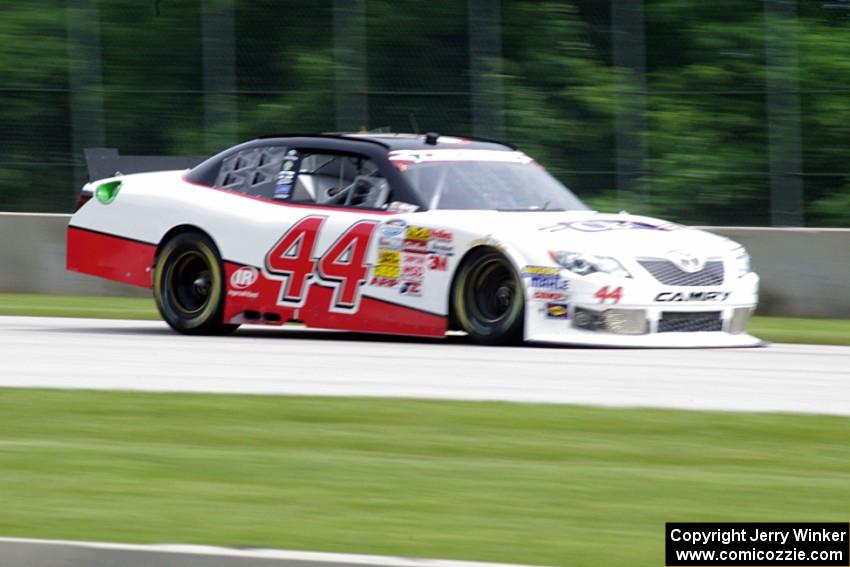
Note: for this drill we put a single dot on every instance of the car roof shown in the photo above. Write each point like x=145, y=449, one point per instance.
x=404, y=141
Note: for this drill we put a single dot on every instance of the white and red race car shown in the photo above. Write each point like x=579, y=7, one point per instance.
x=407, y=235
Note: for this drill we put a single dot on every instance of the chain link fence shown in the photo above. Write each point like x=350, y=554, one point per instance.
x=730, y=112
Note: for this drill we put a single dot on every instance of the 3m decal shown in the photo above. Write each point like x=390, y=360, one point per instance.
x=605, y=294
x=438, y=263
x=342, y=266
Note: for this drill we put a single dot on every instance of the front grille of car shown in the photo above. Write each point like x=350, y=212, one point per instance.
x=689, y=322
x=669, y=273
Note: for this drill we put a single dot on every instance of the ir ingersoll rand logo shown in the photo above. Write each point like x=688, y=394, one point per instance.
x=244, y=277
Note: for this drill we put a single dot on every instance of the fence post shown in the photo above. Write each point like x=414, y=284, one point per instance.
x=349, y=28
x=85, y=81
x=629, y=58
x=219, y=68
x=783, y=113
x=485, y=68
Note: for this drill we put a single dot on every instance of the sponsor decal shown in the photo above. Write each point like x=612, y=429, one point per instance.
x=410, y=288
x=415, y=246
x=401, y=207
x=388, y=264
x=383, y=282
x=442, y=235
x=545, y=277
x=549, y=282
x=441, y=248
x=243, y=293
x=244, y=277
x=391, y=243
x=285, y=178
x=606, y=293
x=442, y=242
x=674, y=296
x=556, y=311
x=609, y=224
x=389, y=257
x=414, y=273
x=541, y=295
x=415, y=259
x=416, y=239
x=418, y=234
x=283, y=191
x=386, y=271
x=393, y=228
x=542, y=270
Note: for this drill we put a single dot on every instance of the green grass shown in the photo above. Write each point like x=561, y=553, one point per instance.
x=774, y=329
x=550, y=485
x=799, y=330
x=31, y=304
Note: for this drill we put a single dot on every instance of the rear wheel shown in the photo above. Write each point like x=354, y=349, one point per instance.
x=189, y=285
x=488, y=299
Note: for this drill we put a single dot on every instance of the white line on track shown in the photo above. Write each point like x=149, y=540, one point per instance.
x=294, y=558
x=147, y=356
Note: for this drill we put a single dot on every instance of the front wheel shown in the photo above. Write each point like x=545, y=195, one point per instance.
x=488, y=299
x=189, y=286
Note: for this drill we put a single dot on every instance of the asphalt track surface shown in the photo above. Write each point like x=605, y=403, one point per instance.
x=147, y=356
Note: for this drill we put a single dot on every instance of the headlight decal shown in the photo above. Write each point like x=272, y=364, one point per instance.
x=742, y=262
x=586, y=264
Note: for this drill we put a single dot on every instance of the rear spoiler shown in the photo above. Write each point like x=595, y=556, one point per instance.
x=105, y=162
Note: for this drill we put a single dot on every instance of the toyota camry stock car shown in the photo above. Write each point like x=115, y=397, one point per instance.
x=406, y=235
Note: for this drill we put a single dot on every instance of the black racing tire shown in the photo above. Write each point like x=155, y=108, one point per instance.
x=488, y=301
x=189, y=285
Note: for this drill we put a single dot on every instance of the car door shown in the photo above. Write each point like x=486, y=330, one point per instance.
x=318, y=234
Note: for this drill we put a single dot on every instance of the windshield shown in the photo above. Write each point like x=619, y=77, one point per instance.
x=504, y=186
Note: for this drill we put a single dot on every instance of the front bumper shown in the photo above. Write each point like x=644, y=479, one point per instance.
x=607, y=311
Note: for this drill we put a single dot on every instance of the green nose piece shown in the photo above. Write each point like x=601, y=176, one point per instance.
x=106, y=192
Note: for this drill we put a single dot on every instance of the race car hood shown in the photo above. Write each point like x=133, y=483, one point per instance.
x=615, y=235
x=623, y=234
